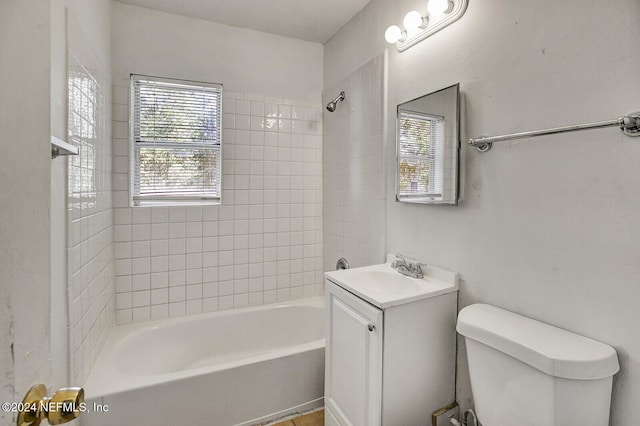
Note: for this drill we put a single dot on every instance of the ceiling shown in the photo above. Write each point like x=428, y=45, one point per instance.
x=310, y=20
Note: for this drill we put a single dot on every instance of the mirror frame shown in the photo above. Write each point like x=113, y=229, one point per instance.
x=456, y=196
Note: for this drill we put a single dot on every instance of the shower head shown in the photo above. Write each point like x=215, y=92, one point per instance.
x=331, y=106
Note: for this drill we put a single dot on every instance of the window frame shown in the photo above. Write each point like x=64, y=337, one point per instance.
x=171, y=200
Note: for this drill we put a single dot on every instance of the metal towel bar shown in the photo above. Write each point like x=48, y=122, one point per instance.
x=629, y=124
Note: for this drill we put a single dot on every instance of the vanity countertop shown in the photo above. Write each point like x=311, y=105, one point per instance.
x=384, y=287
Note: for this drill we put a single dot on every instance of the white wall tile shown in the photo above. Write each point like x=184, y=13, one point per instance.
x=124, y=316
x=210, y=289
x=240, y=300
x=194, y=260
x=243, y=107
x=123, y=284
x=210, y=304
x=141, y=265
x=209, y=259
x=177, y=278
x=210, y=213
x=140, y=249
x=284, y=111
x=159, y=214
x=242, y=137
x=159, y=311
x=141, y=215
x=96, y=298
x=174, y=261
x=194, y=229
x=141, y=282
x=194, y=276
x=225, y=302
x=122, y=250
x=159, y=231
x=243, y=122
x=177, y=246
x=177, y=262
x=159, y=280
x=345, y=231
x=177, y=309
x=159, y=264
x=123, y=300
x=177, y=230
x=140, y=298
x=194, y=307
x=140, y=232
x=229, y=121
x=177, y=294
x=142, y=313
x=177, y=214
x=194, y=214
x=122, y=216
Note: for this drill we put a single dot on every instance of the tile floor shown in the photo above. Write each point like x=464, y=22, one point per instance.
x=315, y=418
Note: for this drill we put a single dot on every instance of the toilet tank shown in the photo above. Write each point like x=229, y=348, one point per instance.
x=527, y=373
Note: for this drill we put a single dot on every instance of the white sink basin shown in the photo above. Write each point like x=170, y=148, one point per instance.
x=385, y=281
x=383, y=286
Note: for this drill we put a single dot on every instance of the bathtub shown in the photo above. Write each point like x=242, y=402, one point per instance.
x=238, y=367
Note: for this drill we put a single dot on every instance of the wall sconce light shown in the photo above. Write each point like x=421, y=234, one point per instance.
x=417, y=27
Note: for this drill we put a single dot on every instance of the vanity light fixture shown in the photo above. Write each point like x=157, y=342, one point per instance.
x=413, y=21
x=439, y=7
x=394, y=34
x=417, y=27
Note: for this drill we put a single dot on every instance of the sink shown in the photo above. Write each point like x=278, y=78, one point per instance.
x=387, y=282
x=383, y=286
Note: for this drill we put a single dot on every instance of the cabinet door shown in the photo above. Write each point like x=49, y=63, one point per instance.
x=353, y=362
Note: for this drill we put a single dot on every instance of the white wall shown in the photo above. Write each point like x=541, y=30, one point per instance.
x=33, y=257
x=546, y=227
x=58, y=300
x=264, y=244
x=244, y=61
x=25, y=168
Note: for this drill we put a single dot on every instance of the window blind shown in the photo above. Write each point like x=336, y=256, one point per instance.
x=420, y=151
x=176, y=137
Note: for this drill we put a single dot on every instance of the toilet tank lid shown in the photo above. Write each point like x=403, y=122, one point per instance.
x=557, y=352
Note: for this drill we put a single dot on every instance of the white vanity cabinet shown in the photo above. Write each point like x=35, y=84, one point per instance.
x=353, y=361
x=387, y=363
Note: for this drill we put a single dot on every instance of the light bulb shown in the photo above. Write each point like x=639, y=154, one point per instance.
x=412, y=21
x=393, y=34
x=438, y=7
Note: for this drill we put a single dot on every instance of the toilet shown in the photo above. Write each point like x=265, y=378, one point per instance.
x=527, y=373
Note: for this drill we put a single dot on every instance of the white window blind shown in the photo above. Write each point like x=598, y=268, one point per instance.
x=176, y=137
x=420, y=151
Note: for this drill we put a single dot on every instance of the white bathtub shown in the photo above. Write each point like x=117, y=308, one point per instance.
x=236, y=367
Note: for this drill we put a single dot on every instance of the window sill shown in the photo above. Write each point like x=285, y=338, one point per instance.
x=434, y=199
x=169, y=203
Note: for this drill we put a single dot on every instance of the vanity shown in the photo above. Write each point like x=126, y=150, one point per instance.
x=390, y=345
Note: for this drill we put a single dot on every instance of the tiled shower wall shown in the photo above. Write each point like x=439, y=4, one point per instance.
x=263, y=244
x=89, y=200
x=354, y=177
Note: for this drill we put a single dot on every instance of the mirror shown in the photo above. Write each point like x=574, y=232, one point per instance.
x=428, y=148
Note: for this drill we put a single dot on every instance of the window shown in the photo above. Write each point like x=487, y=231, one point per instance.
x=420, y=149
x=175, y=141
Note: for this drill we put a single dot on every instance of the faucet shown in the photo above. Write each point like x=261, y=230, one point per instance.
x=413, y=270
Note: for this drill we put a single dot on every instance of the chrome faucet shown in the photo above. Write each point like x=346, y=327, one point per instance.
x=413, y=270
